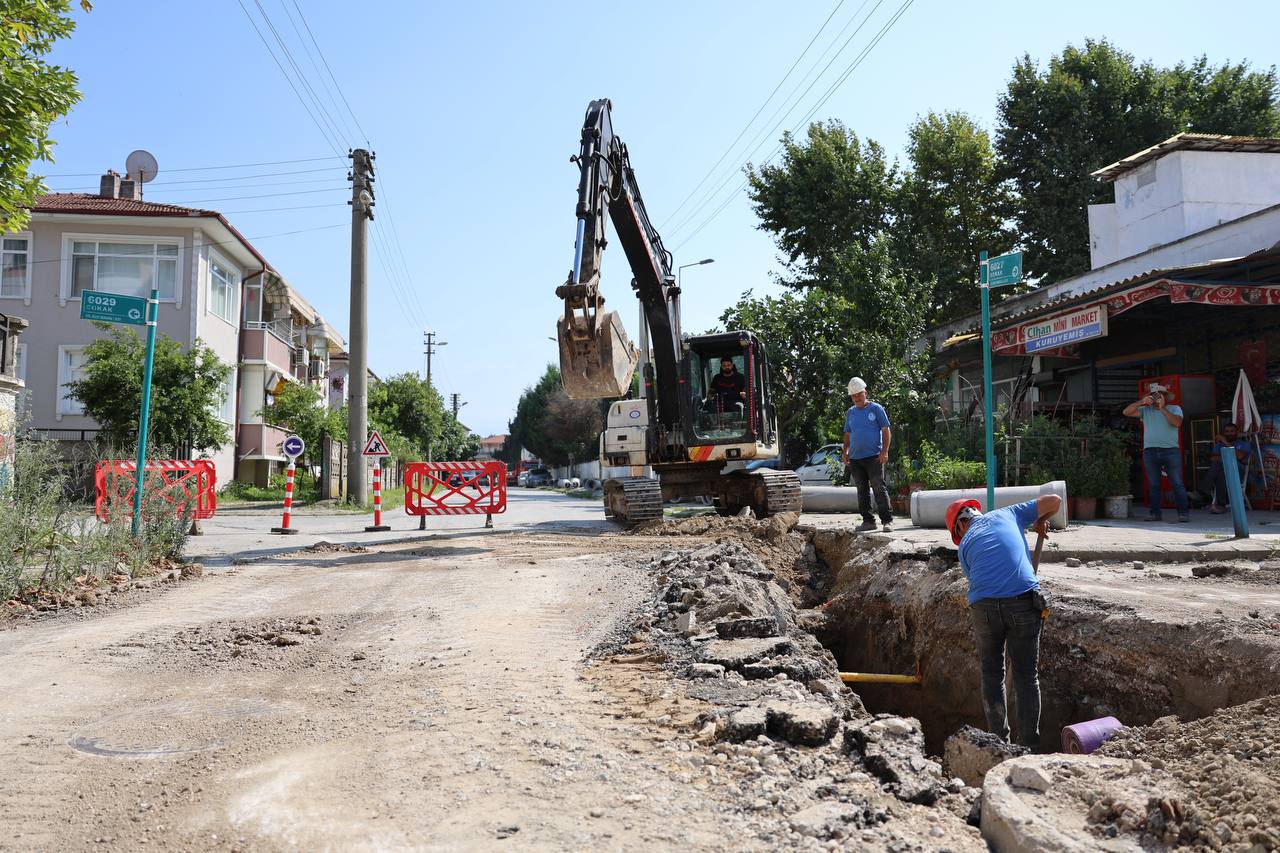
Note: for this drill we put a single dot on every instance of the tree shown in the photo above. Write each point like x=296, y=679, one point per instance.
x=407, y=406
x=572, y=428
x=300, y=409
x=35, y=94
x=457, y=443
x=1093, y=106
x=952, y=206
x=186, y=391
x=528, y=427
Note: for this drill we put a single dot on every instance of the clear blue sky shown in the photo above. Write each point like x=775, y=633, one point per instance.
x=473, y=111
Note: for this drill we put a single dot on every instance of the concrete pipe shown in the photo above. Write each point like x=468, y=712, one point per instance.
x=929, y=509
x=829, y=499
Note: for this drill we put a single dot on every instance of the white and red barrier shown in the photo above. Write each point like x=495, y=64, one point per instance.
x=481, y=489
x=187, y=486
x=377, y=526
x=284, y=527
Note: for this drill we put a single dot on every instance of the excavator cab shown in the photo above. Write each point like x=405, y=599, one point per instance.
x=726, y=377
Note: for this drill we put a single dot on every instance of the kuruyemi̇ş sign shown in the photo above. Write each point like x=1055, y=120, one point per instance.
x=1070, y=328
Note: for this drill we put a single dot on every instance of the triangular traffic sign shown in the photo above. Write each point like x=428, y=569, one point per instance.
x=375, y=446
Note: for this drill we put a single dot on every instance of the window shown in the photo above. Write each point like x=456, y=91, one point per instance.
x=253, y=303
x=226, y=409
x=222, y=288
x=15, y=267
x=131, y=268
x=70, y=369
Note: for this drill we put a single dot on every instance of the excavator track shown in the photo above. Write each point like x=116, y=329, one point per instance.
x=632, y=500
x=781, y=493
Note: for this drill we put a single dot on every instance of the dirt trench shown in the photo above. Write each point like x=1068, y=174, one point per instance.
x=1102, y=654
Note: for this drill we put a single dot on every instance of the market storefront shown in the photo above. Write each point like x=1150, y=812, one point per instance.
x=1194, y=328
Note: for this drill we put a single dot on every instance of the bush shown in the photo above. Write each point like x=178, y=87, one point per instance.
x=938, y=471
x=306, y=489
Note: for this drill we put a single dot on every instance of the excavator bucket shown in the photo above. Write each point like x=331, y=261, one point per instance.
x=599, y=364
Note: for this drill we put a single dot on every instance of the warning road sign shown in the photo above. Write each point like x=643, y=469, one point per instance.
x=375, y=446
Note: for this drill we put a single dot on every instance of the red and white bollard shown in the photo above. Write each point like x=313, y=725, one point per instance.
x=377, y=526
x=288, y=502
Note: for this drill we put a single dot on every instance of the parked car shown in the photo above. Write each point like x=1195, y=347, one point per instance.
x=522, y=479
x=538, y=477
x=817, y=470
x=757, y=464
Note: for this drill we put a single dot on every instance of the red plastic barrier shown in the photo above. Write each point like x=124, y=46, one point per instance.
x=187, y=485
x=481, y=488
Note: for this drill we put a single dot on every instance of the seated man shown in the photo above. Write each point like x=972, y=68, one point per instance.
x=727, y=391
x=1228, y=441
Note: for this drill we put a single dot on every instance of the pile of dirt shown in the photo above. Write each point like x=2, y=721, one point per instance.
x=777, y=716
x=86, y=592
x=269, y=644
x=1227, y=765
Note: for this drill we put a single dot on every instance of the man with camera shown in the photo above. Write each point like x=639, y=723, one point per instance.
x=1161, y=421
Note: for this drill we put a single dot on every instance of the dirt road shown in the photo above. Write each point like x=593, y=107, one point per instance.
x=425, y=696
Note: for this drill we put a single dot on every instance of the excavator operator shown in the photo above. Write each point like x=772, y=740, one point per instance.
x=728, y=389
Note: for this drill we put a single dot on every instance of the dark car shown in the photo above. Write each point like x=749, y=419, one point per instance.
x=756, y=464
x=538, y=477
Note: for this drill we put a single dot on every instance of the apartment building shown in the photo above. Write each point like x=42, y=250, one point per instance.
x=214, y=285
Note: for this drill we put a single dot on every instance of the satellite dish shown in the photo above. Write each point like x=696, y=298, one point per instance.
x=141, y=166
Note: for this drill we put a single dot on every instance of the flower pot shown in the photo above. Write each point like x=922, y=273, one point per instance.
x=1086, y=508
x=1117, y=506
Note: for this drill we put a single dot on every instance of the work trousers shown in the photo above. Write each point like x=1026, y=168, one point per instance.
x=1013, y=623
x=1170, y=459
x=868, y=476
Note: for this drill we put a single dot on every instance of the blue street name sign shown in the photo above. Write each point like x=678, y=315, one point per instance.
x=293, y=446
x=113, y=308
x=1006, y=269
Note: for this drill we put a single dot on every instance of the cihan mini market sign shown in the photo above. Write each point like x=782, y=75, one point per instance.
x=1054, y=332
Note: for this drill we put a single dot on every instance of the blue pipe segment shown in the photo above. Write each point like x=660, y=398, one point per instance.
x=1235, y=493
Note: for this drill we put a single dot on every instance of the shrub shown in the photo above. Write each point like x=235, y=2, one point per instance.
x=938, y=471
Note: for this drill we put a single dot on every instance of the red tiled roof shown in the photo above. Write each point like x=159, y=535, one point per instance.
x=91, y=203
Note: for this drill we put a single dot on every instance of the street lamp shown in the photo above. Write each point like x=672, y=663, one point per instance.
x=694, y=264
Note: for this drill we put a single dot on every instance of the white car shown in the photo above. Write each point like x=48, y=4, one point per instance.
x=817, y=470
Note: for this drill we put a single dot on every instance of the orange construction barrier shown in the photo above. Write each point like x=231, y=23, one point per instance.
x=188, y=486
x=455, y=488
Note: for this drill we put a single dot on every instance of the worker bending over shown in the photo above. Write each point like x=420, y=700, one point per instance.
x=1006, y=605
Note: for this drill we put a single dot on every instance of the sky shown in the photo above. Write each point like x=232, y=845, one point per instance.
x=474, y=109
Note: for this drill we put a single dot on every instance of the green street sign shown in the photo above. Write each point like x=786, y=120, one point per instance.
x=1006, y=269
x=113, y=308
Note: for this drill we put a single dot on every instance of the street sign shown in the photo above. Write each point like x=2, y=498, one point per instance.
x=293, y=446
x=113, y=308
x=375, y=446
x=1006, y=269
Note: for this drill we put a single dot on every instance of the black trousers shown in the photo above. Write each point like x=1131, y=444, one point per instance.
x=1015, y=624
x=868, y=476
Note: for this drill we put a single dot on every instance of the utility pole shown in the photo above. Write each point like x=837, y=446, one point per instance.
x=361, y=178
x=454, y=401
x=429, y=345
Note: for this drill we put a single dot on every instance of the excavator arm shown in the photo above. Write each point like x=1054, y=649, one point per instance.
x=597, y=359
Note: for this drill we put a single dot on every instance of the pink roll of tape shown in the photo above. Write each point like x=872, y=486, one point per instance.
x=1084, y=738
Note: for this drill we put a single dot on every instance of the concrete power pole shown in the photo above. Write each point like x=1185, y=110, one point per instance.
x=454, y=401
x=429, y=346
x=361, y=178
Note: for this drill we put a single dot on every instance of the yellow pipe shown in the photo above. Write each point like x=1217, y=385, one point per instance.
x=878, y=678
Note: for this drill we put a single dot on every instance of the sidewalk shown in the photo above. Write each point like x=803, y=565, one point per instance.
x=1206, y=537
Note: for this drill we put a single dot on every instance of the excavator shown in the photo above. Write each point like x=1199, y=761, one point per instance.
x=705, y=408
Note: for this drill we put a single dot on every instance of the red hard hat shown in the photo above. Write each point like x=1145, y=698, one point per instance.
x=954, y=510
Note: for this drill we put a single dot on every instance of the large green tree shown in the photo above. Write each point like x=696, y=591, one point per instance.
x=300, y=409
x=33, y=94
x=1092, y=106
x=553, y=427
x=406, y=405
x=186, y=392
x=952, y=206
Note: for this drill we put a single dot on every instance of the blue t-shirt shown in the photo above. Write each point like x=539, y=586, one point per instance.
x=863, y=426
x=1156, y=429
x=1241, y=446
x=994, y=553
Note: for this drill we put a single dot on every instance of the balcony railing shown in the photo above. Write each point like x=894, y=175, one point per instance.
x=282, y=328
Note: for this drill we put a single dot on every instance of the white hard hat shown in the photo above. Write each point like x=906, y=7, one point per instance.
x=856, y=384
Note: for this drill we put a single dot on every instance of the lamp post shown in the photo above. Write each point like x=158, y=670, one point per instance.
x=680, y=269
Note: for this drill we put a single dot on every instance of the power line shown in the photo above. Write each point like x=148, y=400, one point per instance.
x=242, y=197
x=188, y=189
x=857, y=61
x=204, y=168
x=330, y=70
x=346, y=128
x=277, y=209
x=745, y=127
x=794, y=102
x=302, y=78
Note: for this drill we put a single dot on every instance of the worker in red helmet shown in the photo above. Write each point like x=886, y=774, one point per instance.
x=1006, y=605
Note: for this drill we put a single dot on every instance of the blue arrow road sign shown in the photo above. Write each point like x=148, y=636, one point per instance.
x=293, y=446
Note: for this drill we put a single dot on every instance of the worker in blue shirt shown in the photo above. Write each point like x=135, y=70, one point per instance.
x=866, y=452
x=1161, y=448
x=1006, y=605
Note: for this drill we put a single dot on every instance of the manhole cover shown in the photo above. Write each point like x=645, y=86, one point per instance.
x=175, y=728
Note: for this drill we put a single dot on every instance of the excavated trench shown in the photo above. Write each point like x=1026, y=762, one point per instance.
x=891, y=610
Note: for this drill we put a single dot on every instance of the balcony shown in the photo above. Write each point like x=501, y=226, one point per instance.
x=264, y=342
x=260, y=441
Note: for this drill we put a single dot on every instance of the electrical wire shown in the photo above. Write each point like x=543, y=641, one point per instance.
x=747, y=126
x=149, y=188
x=205, y=168
x=336, y=86
x=302, y=78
